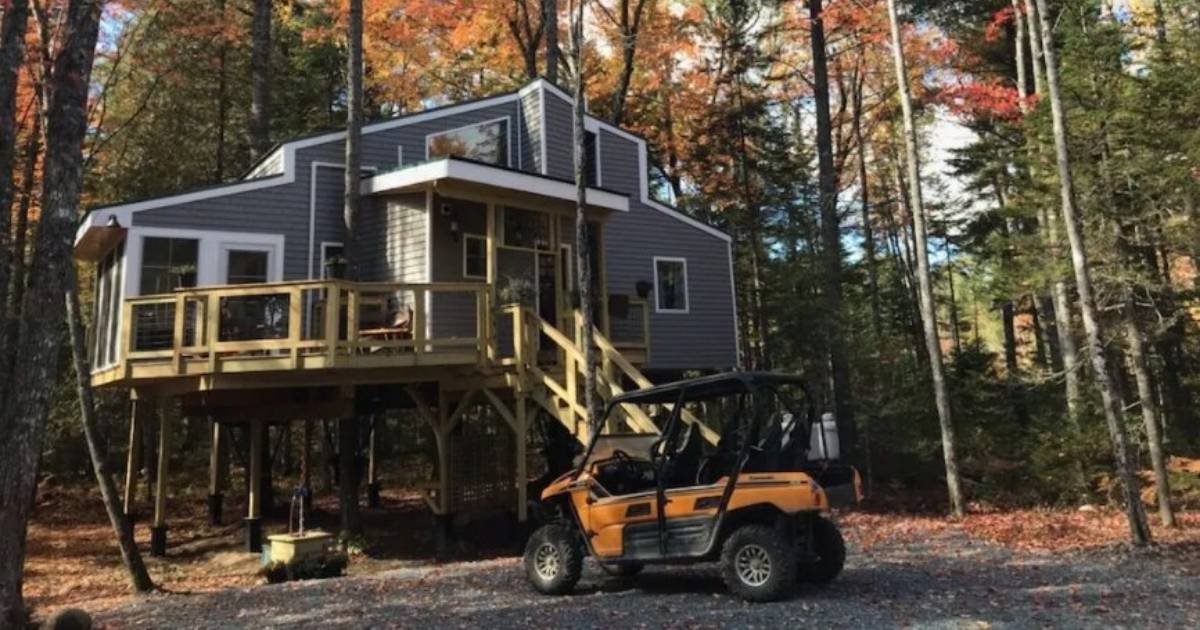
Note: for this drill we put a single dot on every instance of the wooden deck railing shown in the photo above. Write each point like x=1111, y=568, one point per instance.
x=305, y=324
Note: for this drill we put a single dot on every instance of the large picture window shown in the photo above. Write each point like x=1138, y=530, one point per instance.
x=670, y=284
x=168, y=264
x=483, y=142
x=529, y=229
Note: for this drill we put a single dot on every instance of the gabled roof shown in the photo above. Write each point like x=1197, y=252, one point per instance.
x=286, y=153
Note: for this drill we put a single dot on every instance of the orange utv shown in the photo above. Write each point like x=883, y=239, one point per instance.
x=755, y=501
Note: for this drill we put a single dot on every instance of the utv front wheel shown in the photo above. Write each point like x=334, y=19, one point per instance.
x=758, y=564
x=553, y=560
x=830, y=551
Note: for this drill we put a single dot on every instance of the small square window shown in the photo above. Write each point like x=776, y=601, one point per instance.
x=670, y=283
x=474, y=257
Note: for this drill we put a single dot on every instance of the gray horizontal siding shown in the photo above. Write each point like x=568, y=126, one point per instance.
x=559, y=135
x=705, y=336
x=393, y=239
x=531, y=127
x=454, y=313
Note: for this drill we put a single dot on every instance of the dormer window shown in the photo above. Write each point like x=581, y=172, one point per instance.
x=486, y=142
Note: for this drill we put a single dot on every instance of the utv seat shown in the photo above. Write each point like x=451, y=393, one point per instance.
x=687, y=459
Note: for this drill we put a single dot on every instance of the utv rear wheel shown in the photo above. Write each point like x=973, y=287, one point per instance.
x=830, y=551
x=553, y=560
x=622, y=569
x=758, y=564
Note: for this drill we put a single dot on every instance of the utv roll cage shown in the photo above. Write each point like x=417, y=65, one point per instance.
x=748, y=427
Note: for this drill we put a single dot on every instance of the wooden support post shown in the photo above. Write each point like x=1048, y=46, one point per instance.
x=306, y=466
x=218, y=461
x=253, y=520
x=158, y=531
x=521, y=429
x=372, y=479
x=442, y=520
x=491, y=316
x=133, y=462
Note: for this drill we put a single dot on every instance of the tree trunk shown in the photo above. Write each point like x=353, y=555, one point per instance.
x=831, y=230
x=12, y=56
x=348, y=476
x=122, y=528
x=583, y=262
x=260, y=79
x=1140, y=363
x=354, y=94
x=928, y=308
x=630, y=26
x=867, y=232
x=27, y=401
x=1059, y=293
x=222, y=99
x=1113, y=407
x=955, y=333
x=11, y=316
x=550, y=18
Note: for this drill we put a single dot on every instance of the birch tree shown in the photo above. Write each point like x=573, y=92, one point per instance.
x=924, y=280
x=1111, y=402
x=139, y=578
x=583, y=260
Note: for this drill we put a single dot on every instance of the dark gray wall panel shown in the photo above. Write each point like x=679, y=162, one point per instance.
x=559, y=156
x=705, y=336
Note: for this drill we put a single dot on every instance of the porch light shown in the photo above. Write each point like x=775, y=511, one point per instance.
x=113, y=222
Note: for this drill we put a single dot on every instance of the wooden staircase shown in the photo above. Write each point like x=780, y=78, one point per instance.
x=556, y=386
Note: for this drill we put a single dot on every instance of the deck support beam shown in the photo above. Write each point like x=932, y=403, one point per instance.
x=521, y=428
x=133, y=461
x=158, y=531
x=253, y=520
x=372, y=479
x=218, y=472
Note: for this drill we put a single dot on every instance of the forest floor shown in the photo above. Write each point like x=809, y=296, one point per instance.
x=1014, y=568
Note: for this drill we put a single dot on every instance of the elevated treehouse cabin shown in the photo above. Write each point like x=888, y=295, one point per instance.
x=231, y=298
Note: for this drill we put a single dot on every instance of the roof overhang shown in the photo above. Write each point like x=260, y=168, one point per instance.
x=422, y=176
x=94, y=243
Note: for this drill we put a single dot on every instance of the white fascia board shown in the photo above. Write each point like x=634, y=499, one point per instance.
x=490, y=176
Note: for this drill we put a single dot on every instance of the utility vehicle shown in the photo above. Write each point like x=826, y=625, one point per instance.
x=753, y=502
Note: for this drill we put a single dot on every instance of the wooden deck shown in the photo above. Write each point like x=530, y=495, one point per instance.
x=332, y=332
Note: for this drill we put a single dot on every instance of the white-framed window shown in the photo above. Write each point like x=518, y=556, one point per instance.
x=168, y=263
x=247, y=262
x=670, y=285
x=333, y=260
x=475, y=256
x=489, y=142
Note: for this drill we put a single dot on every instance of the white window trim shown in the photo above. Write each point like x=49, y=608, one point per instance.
x=465, y=237
x=273, y=257
x=569, y=254
x=508, y=131
x=210, y=269
x=687, y=289
x=326, y=245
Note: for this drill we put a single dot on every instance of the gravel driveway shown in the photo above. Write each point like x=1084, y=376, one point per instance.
x=945, y=581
